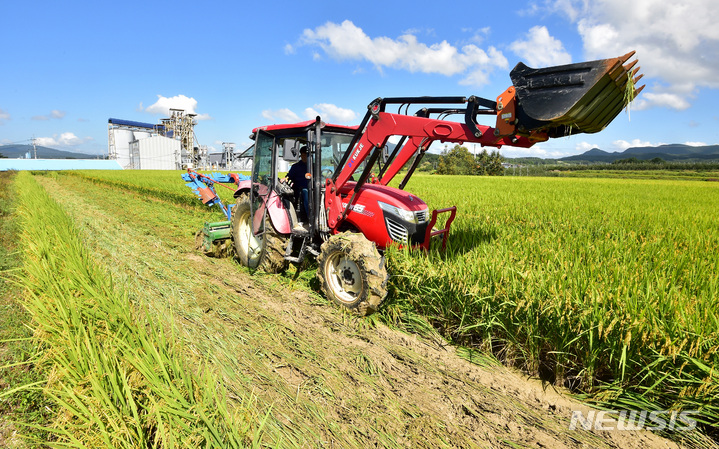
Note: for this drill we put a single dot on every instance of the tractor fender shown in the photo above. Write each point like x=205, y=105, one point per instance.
x=243, y=187
x=278, y=214
x=276, y=210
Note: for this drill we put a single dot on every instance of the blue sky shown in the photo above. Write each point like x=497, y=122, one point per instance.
x=66, y=67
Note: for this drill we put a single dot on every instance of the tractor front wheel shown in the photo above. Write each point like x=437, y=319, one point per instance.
x=352, y=272
x=266, y=251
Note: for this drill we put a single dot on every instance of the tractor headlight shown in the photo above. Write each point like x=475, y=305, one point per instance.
x=406, y=215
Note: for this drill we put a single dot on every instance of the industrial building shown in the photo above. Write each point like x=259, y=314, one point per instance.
x=137, y=145
x=169, y=145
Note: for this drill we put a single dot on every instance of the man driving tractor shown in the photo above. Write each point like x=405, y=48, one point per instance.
x=297, y=176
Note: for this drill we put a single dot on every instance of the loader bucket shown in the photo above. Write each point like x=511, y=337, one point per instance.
x=573, y=98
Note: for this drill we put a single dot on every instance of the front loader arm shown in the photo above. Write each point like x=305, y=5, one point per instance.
x=421, y=132
x=408, y=150
x=541, y=104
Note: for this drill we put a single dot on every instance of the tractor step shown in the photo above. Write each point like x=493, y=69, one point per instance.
x=294, y=254
x=214, y=239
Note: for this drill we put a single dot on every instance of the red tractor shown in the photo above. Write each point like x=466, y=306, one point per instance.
x=349, y=214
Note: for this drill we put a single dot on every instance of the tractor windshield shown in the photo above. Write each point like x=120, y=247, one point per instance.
x=334, y=146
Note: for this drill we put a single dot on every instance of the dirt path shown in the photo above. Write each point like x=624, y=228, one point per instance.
x=325, y=378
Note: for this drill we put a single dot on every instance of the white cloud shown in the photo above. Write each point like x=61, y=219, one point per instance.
x=696, y=144
x=66, y=139
x=648, y=100
x=284, y=115
x=677, y=44
x=331, y=113
x=569, y=8
x=585, y=146
x=478, y=36
x=54, y=114
x=622, y=145
x=346, y=41
x=540, y=49
x=164, y=104
x=566, y=7
x=4, y=116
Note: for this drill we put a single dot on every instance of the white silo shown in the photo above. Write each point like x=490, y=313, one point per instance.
x=122, y=138
x=139, y=135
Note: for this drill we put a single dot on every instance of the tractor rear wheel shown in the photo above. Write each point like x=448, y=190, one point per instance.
x=352, y=272
x=266, y=251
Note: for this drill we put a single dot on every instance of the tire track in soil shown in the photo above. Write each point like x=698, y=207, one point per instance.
x=326, y=378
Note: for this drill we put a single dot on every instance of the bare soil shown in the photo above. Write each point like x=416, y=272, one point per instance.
x=321, y=376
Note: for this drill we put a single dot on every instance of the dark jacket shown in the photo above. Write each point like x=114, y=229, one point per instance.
x=297, y=176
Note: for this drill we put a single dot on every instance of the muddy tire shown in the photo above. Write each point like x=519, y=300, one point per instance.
x=266, y=252
x=351, y=273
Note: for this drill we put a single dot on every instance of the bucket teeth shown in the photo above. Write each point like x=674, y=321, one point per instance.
x=634, y=74
x=630, y=66
x=626, y=57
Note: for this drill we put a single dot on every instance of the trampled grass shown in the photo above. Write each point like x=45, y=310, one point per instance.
x=608, y=286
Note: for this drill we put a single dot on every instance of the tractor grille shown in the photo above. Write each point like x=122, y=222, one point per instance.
x=422, y=215
x=397, y=231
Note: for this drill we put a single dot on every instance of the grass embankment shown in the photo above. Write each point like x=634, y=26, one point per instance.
x=607, y=286
x=115, y=378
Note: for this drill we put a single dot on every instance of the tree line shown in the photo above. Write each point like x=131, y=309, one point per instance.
x=459, y=161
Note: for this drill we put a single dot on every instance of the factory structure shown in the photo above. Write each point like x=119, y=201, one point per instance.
x=169, y=145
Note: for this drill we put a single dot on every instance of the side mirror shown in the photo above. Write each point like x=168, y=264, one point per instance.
x=291, y=150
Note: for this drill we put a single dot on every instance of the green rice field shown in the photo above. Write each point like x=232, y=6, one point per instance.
x=607, y=287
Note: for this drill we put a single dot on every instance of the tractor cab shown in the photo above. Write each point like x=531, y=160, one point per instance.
x=277, y=149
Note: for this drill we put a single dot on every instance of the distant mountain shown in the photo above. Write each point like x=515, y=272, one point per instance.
x=672, y=152
x=19, y=151
x=596, y=152
x=674, y=149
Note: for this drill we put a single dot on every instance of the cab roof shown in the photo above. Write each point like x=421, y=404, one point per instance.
x=289, y=129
